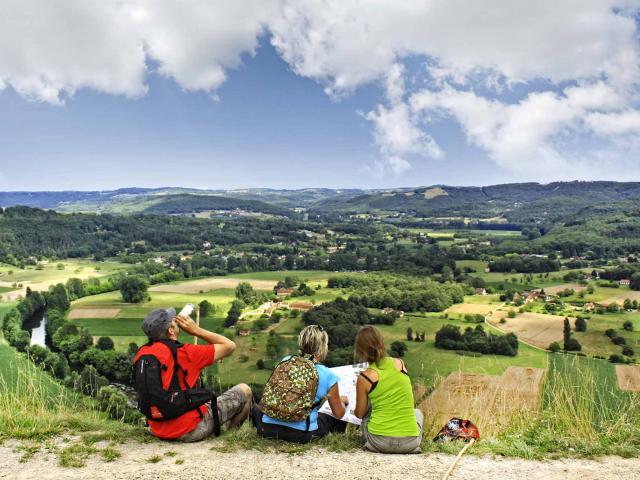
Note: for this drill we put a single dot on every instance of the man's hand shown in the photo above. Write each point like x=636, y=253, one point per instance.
x=187, y=325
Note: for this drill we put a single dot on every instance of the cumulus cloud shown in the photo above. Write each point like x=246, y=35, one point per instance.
x=472, y=52
x=51, y=49
x=577, y=59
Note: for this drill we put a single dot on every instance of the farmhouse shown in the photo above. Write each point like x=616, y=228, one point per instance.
x=301, y=306
x=388, y=310
x=481, y=291
x=589, y=306
x=625, y=282
x=284, y=292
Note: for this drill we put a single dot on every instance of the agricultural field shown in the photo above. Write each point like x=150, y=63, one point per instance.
x=520, y=281
x=595, y=342
x=628, y=377
x=51, y=273
x=491, y=400
x=538, y=329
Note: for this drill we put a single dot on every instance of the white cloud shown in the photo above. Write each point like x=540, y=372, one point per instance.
x=49, y=49
x=470, y=47
x=196, y=41
x=472, y=51
x=626, y=122
x=527, y=136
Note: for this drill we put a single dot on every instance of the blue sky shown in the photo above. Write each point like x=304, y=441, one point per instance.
x=327, y=106
x=268, y=128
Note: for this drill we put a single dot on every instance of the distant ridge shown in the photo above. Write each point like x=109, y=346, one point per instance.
x=434, y=200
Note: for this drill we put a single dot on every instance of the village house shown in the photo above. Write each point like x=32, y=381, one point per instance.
x=301, y=306
x=589, y=306
x=625, y=282
x=481, y=291
x=284, y=292
x=388, y=310
x=206, y=245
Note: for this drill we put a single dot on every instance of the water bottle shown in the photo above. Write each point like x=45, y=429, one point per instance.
x=187, y=310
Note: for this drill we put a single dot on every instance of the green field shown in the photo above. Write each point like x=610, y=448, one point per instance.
x=52, y=274
x=595, y=342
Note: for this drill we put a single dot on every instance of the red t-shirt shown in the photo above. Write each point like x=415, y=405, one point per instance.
x=193, y=359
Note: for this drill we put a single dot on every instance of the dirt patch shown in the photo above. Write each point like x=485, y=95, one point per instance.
x=465, y=308
x=490, y=401
x=621, y=297
x=191, y=461
x=628, y=377
x=93, y=313
x=13, y=295
x=212, y=284
x=535, y=328
x=558, y=288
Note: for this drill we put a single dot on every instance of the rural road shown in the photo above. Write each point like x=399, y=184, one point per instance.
x=200, y=462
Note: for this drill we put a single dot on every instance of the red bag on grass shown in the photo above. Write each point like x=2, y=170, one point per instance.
x=458, y=428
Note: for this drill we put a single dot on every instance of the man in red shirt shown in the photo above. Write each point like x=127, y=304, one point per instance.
x=233, y=405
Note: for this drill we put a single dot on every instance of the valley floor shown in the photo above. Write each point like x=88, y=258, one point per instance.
x=183, y=461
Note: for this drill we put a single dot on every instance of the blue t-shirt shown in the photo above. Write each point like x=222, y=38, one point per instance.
x=326, y=380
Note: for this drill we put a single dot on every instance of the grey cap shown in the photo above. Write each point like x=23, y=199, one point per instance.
x=157, y=322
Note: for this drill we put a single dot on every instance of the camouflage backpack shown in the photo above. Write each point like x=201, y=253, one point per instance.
x=291, y=390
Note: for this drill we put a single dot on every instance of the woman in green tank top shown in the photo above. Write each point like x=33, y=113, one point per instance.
x=384, y=398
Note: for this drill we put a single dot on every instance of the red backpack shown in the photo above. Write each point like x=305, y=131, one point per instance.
x=157, y=378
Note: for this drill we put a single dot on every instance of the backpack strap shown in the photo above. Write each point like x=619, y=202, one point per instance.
x=175, y=382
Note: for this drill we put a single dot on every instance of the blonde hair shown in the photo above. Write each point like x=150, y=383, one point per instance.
x=369, y=345
x=313, y=340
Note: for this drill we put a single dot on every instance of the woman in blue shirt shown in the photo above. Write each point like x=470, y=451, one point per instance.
x=313, y=341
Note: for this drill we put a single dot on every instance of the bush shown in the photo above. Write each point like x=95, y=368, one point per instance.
x=616, y=359
x=581, y=324
x=554, y=347
x=572, y=345
x=511, y=314
x=134, y=289
x=475, y=339
x=113, y=401
x=260, y=364
x=628, y=325
x=619, y=340
x=628, y=351
x=206, y=308
x=90, y=381
x=105, y=343
x=398, y=348
x=610, y=332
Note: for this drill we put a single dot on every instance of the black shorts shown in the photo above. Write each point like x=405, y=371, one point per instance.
x=326, y=424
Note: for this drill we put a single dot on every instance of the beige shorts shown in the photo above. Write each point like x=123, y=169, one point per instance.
x=383, y=444
x=230, y=403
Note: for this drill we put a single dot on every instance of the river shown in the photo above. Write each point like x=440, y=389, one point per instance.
x=36, y=326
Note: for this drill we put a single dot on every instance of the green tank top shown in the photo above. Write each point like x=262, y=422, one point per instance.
x=392, y=412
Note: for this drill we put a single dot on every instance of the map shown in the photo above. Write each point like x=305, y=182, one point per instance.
x=348, y=375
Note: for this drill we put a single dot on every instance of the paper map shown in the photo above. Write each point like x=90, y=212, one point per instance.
x=348, y=375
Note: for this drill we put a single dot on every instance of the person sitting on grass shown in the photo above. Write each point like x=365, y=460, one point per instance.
x=384, y=398
x=162, y=327
x=297, y=387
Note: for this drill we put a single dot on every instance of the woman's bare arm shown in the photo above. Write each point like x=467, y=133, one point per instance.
x=363, y=386
x=336, y=402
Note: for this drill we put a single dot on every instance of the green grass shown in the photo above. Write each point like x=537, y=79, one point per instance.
x=306, y=275
x=36, y=408
x=428, y=363
x=595, y=342
x=51, y=274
